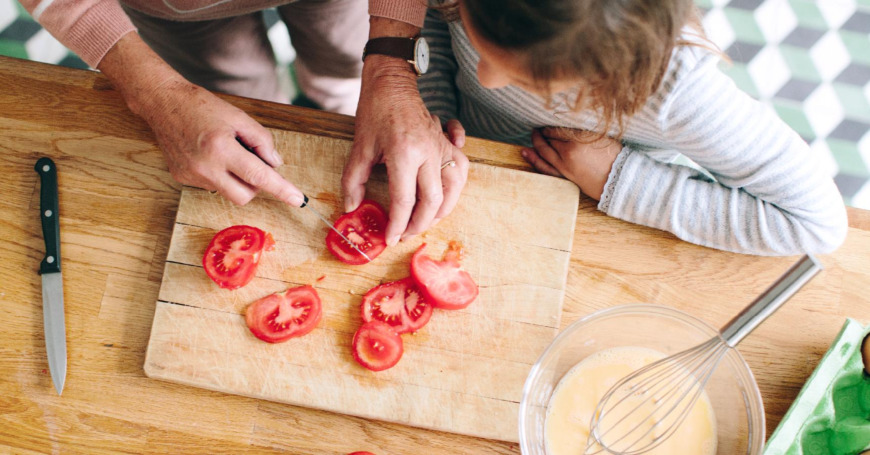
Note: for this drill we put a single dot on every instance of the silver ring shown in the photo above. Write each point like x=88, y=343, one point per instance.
x=450, y=163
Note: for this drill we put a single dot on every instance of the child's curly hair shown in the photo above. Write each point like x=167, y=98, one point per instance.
x=619, y=49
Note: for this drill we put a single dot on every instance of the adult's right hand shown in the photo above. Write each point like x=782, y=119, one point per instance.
x=198, y=132
x=394, y=127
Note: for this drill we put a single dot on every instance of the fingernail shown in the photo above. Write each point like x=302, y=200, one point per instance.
x=392, y=241
x=407, y=237
x=525, y=153
x=435, y=221
x=277, y=157
x=349, y=204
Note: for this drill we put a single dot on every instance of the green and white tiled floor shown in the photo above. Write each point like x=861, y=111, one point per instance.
x=807, y=60
x=810, y=62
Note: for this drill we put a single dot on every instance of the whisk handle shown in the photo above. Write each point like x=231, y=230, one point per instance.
x=768, y=302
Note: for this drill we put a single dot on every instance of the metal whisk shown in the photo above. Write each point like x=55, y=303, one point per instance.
x=646, y=407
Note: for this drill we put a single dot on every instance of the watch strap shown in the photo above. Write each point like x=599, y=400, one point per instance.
x=392, y=46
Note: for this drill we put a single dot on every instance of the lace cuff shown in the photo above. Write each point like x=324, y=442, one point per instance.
x=613, y=179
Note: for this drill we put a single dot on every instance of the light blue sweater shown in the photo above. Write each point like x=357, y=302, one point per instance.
x=769, y=195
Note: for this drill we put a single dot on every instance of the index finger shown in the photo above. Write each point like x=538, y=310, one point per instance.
x=255, y=172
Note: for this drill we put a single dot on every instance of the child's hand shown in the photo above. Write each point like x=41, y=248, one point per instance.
x=563, y=152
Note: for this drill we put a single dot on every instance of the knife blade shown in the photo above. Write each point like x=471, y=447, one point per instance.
x=52, y=278
x=353, y=245
x=305, y=204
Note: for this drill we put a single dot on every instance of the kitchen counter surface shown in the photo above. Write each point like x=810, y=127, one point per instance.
x=117, y=208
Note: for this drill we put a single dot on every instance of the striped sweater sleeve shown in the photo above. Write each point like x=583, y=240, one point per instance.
x=438, y=86
x=770, y=195
x=87, y=27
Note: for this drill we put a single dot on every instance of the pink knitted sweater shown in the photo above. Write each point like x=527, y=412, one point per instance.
x=91, y=27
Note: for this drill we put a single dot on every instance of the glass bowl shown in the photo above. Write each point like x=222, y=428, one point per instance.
x=732, y=389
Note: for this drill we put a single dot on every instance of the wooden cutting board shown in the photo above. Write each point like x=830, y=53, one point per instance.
x=462, y=373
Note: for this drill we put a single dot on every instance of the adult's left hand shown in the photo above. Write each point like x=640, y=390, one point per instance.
x=394, y=127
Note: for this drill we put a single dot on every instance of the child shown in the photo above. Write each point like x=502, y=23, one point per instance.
x=636, y=87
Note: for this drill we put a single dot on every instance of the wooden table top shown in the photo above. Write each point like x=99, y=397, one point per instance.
x=117, y=207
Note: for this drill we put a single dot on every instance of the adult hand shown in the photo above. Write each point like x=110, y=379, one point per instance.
x=574, y=154
x=394, y=127
x=196, y=130
x=200, y=136
x=454, y=130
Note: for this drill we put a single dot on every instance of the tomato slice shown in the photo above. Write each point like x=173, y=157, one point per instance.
x=377, y=346
x=399, y=303
x=444, y=282
x=284, y=315
x=365, y=227
x=231, y=257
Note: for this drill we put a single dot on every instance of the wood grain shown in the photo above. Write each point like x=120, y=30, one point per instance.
x=462, y=365
x=117, y=212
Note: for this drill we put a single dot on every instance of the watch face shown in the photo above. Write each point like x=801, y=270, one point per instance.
x=421, y=55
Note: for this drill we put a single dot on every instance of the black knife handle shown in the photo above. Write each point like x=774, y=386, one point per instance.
x=49, y=214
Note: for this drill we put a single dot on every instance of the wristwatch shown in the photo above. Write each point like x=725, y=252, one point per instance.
x=414, y=50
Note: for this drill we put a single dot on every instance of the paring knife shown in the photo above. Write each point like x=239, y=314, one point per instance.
x=305, y=204
x=353, y=245
x=52, y=280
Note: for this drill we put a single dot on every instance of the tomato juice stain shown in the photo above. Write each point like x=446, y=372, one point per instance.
x=455, y=250
x=327, y=196
x=329, y=199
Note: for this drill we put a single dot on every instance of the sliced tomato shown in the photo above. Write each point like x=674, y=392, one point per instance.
x=444, y=282
x=399, y=303
x=365, y=227
x=232, y=256
x=284, y=315
x=377, y=346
